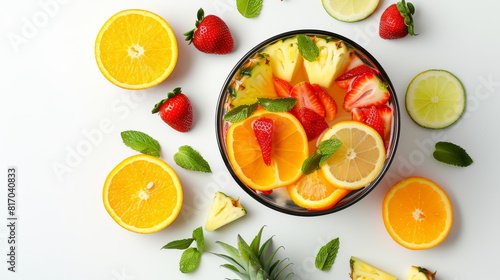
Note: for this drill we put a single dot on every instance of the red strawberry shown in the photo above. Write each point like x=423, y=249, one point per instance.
x=374, y=120
x=327, y=101
x=266, y=192
x=357, y=115
x=386, y=115
x=263, y=129
x=176, y=111
x=282, y=87
x=397, y=21
x=345, y=83
x=344, y=80
x=355, y=61
x=211, y=35
x=313, y=123
x=366, y=91
x=306, y=98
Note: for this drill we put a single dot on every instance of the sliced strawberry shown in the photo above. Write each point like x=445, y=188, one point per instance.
x=358, y=71
x=345, y=83
x=327, y=101
x=263, y=129
x=386, y=115
x=366, y=91
x=374, y=120
x=313, y=123
x=282, y=87
x=357, y=115
x=266, y=192
x=306, y=98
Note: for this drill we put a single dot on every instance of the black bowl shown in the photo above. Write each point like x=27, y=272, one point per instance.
x=279, y=199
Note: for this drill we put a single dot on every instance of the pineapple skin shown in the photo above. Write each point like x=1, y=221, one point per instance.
x=420, y=273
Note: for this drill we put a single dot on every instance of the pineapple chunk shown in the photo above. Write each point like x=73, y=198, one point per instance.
x=254, y=79
x=224, y=210
x=285, y=58
x=363, y=271
x=332, y=61
x=420, y=273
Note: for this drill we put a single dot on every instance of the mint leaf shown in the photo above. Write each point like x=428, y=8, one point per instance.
x=179, y=244
x=307, y=48
x=327, y=254
x=325, y=150
x=189, y=260
x=240, y=113
x=249, y=8
x=141, y=142
x=452, y=154
x=190, y=159
x=200, y=240
x=277, y=104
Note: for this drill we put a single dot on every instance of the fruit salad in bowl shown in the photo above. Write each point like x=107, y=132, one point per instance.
x=307, y=122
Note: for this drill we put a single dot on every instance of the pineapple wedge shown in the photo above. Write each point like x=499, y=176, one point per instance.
x=363, y=271
x=332, y=61
x=254, y=79
x=285, y=58
x=224, y=210
x=420, y=273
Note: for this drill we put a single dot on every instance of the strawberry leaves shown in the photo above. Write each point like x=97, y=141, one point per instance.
x=407, y=10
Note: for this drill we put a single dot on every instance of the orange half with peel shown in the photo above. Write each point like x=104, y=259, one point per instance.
x=288, y=151
x=136, y=49
x=143, y=194
x=417, y=213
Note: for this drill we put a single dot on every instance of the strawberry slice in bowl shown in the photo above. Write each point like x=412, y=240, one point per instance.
x=306, y=98
x=327, y=101
x=365, y=91
x=263, y=129
x=282, y=87
x=313, y=123
x=345, y=80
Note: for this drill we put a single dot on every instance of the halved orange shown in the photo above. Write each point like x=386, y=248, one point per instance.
x=143, y=194
x=288, y=152
x=360, y=158
x=314, y=192
x=417, y=213
x=136, y=49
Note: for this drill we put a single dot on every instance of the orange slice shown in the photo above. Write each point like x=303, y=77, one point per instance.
x=360, y=158
x=417, y=213
x=142, y=194
x=136, y=49
x=288, y=152
x=314, y=192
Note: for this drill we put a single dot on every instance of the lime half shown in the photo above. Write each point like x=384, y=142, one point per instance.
x=350, y=10
x=435, y=99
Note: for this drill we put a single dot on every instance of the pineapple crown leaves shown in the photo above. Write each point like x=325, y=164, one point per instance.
x=158, y=105
x=190, y=34
x=251, y=262
x=407, y=10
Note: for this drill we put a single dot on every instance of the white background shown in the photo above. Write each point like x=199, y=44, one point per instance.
x=53, y=95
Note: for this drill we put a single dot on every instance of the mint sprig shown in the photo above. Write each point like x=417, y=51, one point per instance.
x=249, y=8
x=188, y=158
x=189, y=260
x=141, y=142
x=179, y=244
x=240, y=113
x=191, y=256
x=277, y=104
x=327, y=254
x=307, y=48
x=452, y=154
x=325, y=149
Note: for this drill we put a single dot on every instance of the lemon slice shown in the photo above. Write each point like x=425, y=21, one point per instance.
x=435, y=99
x=350, y=10
x=360, y=158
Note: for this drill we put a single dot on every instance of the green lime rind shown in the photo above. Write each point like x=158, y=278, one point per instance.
x=327, y=5
x=418, y=91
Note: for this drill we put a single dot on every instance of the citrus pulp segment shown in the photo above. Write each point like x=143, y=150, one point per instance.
x=360, y=158
x=435, y=99
x=136, y=49
x=314, y=192
x=143, y=194
x=350, y=10
x=417, y=213
x=288, y=151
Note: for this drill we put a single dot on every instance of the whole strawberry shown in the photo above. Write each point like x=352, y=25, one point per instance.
x=397, y=21
x=176, y=110
x=211, y=35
